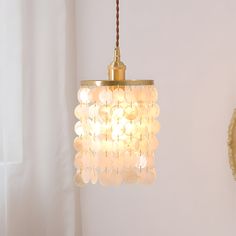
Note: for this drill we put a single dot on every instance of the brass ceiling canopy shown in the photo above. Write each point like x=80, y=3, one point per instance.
x=232, y=144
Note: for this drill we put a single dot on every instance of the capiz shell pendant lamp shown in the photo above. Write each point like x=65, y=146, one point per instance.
x=116, y=128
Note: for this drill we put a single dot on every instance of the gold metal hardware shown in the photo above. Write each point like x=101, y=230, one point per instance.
x=116, y=82
x=116, y=70
x=232, y=144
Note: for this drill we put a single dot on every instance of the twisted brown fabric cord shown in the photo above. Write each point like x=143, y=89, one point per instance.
x=117, y=24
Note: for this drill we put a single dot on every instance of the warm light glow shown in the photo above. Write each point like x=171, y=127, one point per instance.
x=116, y=134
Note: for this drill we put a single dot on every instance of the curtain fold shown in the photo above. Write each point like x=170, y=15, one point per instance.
x=10, y=81
x=41, y=197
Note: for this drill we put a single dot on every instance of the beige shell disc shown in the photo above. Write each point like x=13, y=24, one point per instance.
x=232, y=144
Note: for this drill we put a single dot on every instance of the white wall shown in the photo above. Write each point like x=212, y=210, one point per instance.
x=189, y=48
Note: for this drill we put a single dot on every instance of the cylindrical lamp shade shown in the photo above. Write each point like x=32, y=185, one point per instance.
x=116, y=133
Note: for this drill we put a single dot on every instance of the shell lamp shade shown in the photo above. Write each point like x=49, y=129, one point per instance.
x=116, y=129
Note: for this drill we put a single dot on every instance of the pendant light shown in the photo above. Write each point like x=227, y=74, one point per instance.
x=116, y=128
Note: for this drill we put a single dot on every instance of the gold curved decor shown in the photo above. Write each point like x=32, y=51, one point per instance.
x=232, y=144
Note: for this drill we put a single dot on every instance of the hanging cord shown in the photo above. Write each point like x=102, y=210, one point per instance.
x=117, y=24
x=116, y=70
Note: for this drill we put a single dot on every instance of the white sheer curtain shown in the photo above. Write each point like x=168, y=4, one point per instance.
x=38, y=88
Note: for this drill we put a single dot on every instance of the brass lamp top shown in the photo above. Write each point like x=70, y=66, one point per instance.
x=116, y=82
x=116, y=75
x=116, y=70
